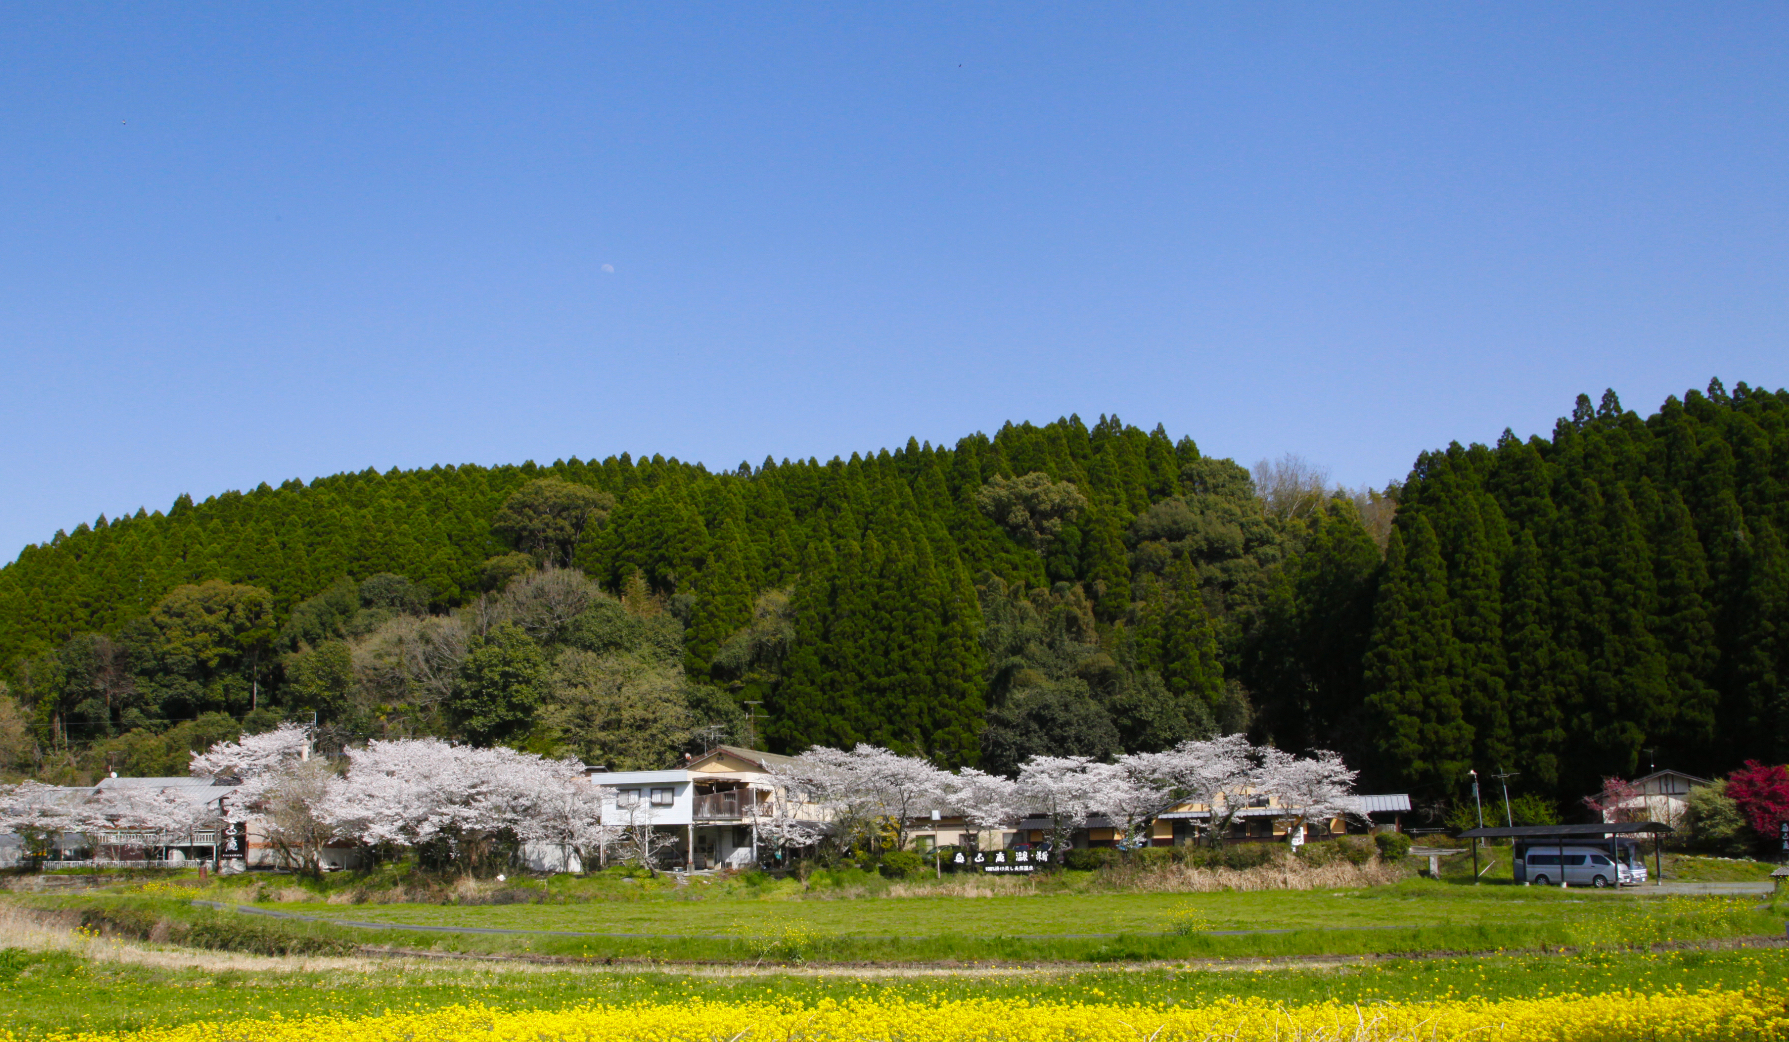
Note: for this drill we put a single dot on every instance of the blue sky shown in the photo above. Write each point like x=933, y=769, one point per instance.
x=253, y=242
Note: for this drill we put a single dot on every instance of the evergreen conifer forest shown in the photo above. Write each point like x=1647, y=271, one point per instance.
x=1565, y=608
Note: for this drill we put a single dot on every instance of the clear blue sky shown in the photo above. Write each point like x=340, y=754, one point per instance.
x=253, y=242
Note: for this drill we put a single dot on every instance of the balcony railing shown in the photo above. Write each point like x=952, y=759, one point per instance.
x=712, y=806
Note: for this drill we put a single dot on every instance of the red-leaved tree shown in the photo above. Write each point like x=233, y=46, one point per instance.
x=1762, y=793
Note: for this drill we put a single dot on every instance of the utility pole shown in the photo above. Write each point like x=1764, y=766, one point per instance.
x=751, y=724
x=1504, y=777
x=1481, y=824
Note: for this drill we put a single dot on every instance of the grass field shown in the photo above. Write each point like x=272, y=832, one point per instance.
x=854, y=962
x=1412, y=904
x=103, y=986
x=674, y=924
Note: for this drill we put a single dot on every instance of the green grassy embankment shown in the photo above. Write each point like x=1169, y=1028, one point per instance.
x=1417, y=916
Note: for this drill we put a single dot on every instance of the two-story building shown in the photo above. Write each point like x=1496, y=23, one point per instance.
x=1663, y=796
x=707, y=808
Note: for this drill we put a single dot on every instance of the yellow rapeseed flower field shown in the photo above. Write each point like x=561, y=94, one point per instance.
x=1680, y=1016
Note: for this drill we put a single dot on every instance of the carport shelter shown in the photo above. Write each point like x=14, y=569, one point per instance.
x=1607, y=833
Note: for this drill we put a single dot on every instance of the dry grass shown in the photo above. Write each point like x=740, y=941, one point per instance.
x=1288, y=873
x=987, y=886
x=38, y=932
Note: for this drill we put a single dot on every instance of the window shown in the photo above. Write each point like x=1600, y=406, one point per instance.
x=1543, y=859
x=627, y=798
x=1574, y=859
x=1598, y=859
x=663, y=797
x=923, y=844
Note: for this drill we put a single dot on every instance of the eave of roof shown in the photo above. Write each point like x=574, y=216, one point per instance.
x=1680, y=774
x=1607, y=828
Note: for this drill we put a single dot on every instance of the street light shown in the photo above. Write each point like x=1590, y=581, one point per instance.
x=1504, y=777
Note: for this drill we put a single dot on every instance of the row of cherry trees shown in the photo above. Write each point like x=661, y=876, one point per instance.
x=471, y=806
x=468, y=805
x=871, y=792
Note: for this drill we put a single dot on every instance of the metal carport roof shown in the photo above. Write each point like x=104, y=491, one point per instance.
x=1607, y=828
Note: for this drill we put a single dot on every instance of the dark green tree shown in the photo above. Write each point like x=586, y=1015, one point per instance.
x=501, y=684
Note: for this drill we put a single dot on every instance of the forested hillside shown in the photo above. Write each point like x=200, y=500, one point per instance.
x=1556, y=607
x=1583, y=606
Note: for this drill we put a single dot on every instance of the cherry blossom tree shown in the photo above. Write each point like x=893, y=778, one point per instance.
x=253, y=755
x=283, y=791
x=1618, y=800
x=903, y=787
x=417, y=791
x=37, y=813
x=1130, y=793
x=776, y=809
x=1305, y=789
x=409, y=792
x=985, y=801
x=1063, y=789
x=569, y=814
x=868, y=788
x=149, y=816
x=1215, y=773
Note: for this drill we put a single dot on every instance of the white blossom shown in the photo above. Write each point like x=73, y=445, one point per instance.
x=985, y=801
x=1305, y=790
x=1130, y=793
x=869, y=786
x=37, y=813
x=1063, y=789
x=253, y=755
x=1217, y=773
x=776, y=808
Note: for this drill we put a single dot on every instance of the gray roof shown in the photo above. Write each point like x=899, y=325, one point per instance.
x=181, y=782
x=1396, y=801
x=197, y=791
x=1607, y=828
x=1201, y=815
x=1698, y=779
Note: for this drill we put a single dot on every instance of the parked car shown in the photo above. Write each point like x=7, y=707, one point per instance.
x=1593, y=866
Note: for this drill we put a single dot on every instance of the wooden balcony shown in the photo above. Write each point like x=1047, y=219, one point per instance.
x=722, y=806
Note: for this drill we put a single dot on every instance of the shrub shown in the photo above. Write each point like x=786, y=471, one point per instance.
x=1356, y=850
x=1154, y=857
x=1235, y=855
x=1087, y=859
x=1393, y=846
x=904, y=864
x=946, y=854
x=1530, y=809
x=1712, y=821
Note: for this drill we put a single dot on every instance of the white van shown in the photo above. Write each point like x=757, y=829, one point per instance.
x=1597, y=866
